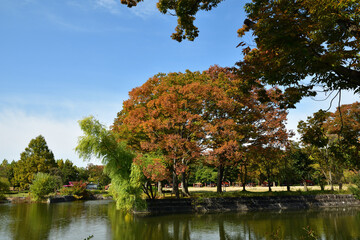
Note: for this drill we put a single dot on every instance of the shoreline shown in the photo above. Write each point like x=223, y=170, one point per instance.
x=243, y=204
x=53, y=199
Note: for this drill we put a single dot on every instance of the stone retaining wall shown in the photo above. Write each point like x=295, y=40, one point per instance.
x=170, y=205
x=58, y=199
x=251, y=203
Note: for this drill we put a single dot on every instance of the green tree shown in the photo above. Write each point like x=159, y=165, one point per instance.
x=4, y=186
x=3, y=166
x=201, y=173
x=37, y=157
x=334, y=140
x=83, y=174
x=323, y=146
x=68, y=171
x=4, y=182
x=43, y=184
x=98, y=175
x=9, y=169
x=5, y=170
x=125, y=176
x=301, y=164
x=355, y=189
x=268, y=160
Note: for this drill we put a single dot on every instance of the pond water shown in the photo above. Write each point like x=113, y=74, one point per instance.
x=79, y=220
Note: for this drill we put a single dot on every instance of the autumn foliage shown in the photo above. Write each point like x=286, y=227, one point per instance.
x=183, y=116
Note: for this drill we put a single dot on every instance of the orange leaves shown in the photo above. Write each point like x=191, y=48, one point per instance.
x=345, y=118
x=242, y=31
x=167, y=109
x=153, y=167
x=182, y=115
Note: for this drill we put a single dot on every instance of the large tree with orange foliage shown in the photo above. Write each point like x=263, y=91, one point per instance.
x=164, y=115
x=186, y=115
x=247, y=119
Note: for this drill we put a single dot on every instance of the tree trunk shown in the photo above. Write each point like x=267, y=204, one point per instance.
x=184, y=186
x=153, y=194
x=340, y=185
x=287, y=176
x=331, y=181
x=160, y=188
x=175, y=185
x=244, y=178
x=269, y=181
x=176, y=229
x=305, y=186
x=220, y=178
x=186, y=230
x=222, y=234
x=145, y=190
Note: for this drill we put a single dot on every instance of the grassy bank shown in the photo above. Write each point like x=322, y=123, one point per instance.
x=27, y=195
x=209, y=192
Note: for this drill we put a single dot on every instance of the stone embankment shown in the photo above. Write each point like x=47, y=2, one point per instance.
x=57, y=199
x=250, y=203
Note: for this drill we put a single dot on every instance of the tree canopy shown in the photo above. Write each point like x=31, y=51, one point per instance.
x=185, y=11
x=294, y=40
x=333, y=139
x=43, y=184
x=37, y=157
x=215, y=113
x=300, y=39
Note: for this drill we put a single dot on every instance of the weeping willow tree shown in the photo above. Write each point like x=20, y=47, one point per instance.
x=126, y=177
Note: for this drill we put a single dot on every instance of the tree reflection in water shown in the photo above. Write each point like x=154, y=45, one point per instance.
x=328, y=224
x=79, y=220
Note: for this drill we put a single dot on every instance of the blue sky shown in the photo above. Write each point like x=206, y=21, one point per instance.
x=63, y=60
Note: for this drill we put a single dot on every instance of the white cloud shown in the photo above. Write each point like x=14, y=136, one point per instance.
x=56, y=121
x=18, y=128
x=145, y=9
x=110, y=5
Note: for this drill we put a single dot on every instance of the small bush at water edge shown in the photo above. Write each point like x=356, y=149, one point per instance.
x=43, y=185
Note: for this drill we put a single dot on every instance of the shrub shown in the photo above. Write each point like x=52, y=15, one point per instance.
x=4, y=186
x=78, y=190
x=43, y=184
x=355, y=189
x=65, y=191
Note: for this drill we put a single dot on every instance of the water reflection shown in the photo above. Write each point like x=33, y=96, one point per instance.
x=79, y=220
x=330, y=224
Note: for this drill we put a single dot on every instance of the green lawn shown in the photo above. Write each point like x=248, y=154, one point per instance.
x=210, y=192
x=17, y=194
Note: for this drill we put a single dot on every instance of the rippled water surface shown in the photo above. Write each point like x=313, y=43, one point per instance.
x=79, y=220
